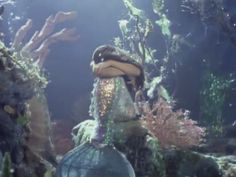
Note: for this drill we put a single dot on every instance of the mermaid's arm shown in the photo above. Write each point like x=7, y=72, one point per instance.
x=128, y=69
x=109, y=72
x=116, y=69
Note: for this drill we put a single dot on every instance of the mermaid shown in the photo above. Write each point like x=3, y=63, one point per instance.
x=118, y=77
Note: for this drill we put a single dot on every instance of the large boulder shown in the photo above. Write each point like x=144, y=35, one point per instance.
x=181, y=163
x=141, y=149
x=149, y=160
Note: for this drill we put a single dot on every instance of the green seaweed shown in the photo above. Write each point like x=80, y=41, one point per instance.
x=213, y=95
x=132, y=9
x=157, y=160
x=7, y=166
x=23, y=120
x=135, y=31
x=158, y=6
x=48, y=173
x=164, y=24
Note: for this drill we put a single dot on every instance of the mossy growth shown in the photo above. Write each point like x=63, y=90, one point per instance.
x=23, y=120
x=143, y=151
x=27, y=68
x=7, y=166
x=135, y=31
x=157, y=164
x=213, y=95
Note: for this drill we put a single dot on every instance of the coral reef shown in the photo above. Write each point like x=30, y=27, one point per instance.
x=7, y=166
x=37, y=47
x=16, y=88
x=172, y=128
x=25, y=121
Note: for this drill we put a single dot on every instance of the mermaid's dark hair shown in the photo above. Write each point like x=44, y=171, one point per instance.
x=109, y=52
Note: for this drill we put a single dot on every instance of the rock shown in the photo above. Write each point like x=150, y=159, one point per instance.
x=225, y=144
x=148, y=159
x=123, y=131
x=230, y=131
x=227, y=165
x=181, y=163
x=7, y=135
x=16, y=87
x=132, y=139
x=230, y=147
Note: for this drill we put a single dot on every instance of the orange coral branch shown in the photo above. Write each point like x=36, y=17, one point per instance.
x=38, y=46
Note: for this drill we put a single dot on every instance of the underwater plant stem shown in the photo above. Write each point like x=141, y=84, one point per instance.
x=141, y=41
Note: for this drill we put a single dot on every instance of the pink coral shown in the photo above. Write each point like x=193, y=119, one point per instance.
x=172, y=128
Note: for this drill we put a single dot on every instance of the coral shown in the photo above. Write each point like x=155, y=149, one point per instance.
x=37, y=48
x=21, y=79
x=26, y=58
x=31, y=56
x=39, y=140
x=172, y=127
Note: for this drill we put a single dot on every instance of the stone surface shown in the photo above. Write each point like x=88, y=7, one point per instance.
x=149, y=160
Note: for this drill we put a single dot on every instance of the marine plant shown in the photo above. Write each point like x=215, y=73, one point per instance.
x=7, y=166
x=135, y=31
x=213, y=13
x=213, y=95
x=29, y=70
x=172, y=128
x=23, y=78
x=4, y=2
x=163, y=22
x=217, y=19
x=37, y=48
